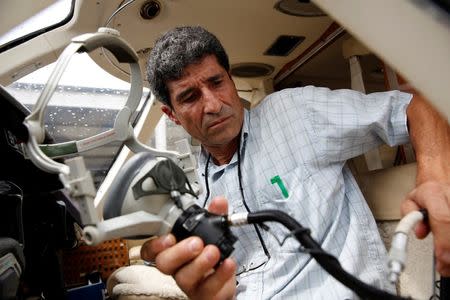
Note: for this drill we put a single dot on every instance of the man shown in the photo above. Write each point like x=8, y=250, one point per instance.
x=289, y=153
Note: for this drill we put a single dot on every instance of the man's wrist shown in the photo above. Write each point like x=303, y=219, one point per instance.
x=432, y=169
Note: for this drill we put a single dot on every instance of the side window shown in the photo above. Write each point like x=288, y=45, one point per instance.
x=45, y=19
x=85, y=103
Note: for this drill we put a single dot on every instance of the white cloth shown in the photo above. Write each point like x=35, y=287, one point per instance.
x=304, y=136
x=142, y=281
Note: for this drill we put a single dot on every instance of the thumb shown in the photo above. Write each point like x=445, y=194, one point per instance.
x=219, y=206
x=408, y=205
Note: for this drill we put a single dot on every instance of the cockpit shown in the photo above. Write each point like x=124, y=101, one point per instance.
x=80, y=125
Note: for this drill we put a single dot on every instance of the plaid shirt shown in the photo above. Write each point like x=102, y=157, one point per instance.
x=293, y=153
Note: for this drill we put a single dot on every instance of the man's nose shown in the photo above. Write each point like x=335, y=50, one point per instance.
x=212, y=102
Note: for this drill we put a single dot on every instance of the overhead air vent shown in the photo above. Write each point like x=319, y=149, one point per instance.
x=150, y=9
x=299, y=8
x=284, y=45
x=251, y=70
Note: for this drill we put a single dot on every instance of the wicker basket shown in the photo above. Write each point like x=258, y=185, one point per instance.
x=104, y=258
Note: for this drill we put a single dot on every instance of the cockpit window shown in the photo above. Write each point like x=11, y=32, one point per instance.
x=86, y=102
x=55, y=15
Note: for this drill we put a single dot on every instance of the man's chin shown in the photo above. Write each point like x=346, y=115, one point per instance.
x=220, y=140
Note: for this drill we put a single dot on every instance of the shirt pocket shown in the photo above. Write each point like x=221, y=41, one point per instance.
x=289, y=193
x=281, y=190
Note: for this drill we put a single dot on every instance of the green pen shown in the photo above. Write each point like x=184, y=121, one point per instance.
x=277, y=180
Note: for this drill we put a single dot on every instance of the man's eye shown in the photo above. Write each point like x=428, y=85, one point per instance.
x=189, y=98
x=217, y=82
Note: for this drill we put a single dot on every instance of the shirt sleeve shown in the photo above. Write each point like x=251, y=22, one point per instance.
x=348, y=123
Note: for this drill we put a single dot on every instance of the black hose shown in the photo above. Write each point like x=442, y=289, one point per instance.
x=325, y=260
x=444, y=288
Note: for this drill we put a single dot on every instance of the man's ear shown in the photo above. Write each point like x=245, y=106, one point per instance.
x=170, y=113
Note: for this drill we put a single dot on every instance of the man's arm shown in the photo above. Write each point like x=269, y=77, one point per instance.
x=430, y=137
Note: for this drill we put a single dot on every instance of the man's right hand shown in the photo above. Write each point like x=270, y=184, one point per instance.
x=191, y=263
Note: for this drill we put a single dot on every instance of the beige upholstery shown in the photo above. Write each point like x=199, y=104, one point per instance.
x=385, y=189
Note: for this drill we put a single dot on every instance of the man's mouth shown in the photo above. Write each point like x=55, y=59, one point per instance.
x=218, y=122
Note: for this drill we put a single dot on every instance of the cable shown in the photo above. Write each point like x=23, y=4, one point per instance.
x=444, y=289
x=141, y=110
x=397, y=252
x=435, y=284
x=263, y=244
x=436, y=289
x=324, y=259
x=118, y=10
x=241, y=189
x=206, y=180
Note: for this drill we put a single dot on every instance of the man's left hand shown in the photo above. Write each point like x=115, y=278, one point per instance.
x=435, y=198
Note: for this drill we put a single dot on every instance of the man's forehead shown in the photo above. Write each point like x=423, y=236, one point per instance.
x=205, y=69
x=207, y=64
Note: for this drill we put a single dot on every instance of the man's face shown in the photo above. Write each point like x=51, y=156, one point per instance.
x=205, y=102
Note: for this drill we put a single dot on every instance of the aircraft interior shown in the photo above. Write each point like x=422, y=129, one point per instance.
x=79, y=124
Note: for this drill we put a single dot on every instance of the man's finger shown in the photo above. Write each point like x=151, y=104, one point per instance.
x=408, y=206
x=152, y=247
x=190, y=276
x=219, y=205
x=222, y=283
x=422, y=229
x=173, y=258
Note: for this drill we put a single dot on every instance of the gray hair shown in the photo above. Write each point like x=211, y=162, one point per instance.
x=177, y=49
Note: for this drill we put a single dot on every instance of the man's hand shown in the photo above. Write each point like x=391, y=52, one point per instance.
x=435, y=198
x=191, y=263
x=430, y=135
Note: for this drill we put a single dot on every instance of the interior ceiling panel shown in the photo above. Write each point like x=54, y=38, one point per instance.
x=246, y=28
